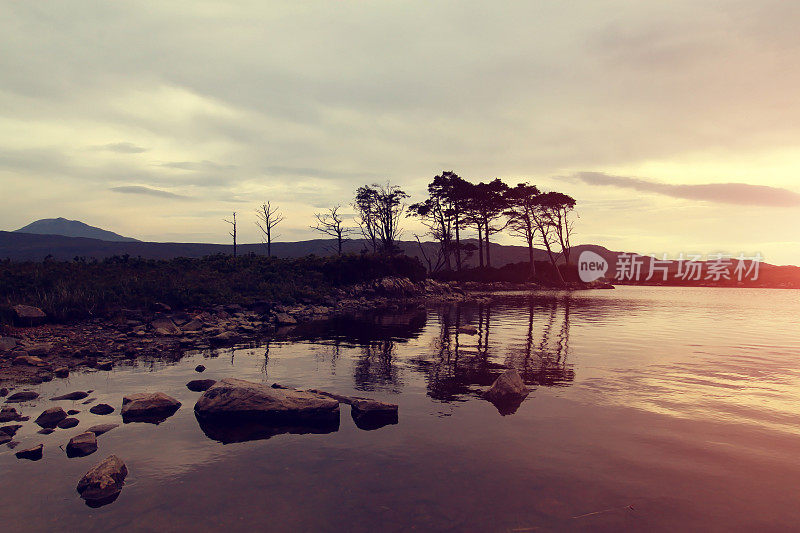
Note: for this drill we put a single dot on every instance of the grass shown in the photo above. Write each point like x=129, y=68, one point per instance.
x=80, y=289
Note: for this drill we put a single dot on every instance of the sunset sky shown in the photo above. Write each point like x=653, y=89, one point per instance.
x=675, y=125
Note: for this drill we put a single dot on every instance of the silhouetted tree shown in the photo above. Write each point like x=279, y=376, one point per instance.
x=331, y=223
x=485, y=205
x=268, y=218
x=232, y=222
x=558, y=207
x=379, y=209
x=521, y=204
x=551, y=217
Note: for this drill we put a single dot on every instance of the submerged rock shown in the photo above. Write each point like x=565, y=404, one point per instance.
x=77, y=395
x=4, y=437
x=200, y=385
x=101, y=409
x=151, y=407
x=51, y=417
x=82, y=445
x=68, y=423
x=10, y=430
x=32, y=454
x=468, y=330
x=507, y=392
x=372, y=414
x=102, y=484
x=99, y=429
x=234, y=410
x=45, y=431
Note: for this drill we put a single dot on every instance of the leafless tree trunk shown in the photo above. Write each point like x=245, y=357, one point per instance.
x=331, y=223
x=268, y=218
x=233, y=231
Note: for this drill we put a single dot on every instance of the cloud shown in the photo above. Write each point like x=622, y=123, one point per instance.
x=148, y=191
x=724, y=193
x=122, y=148
x=197, y=165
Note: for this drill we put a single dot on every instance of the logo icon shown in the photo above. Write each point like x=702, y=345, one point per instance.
x=591, y=266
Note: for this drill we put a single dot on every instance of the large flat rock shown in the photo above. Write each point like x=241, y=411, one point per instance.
x=235, y=410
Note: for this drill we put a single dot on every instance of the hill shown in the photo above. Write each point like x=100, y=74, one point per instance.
x=71, y=228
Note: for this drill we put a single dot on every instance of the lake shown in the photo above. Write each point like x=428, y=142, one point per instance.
x=652, y=408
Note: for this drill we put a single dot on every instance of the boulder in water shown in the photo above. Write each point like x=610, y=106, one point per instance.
x=102, y=484
x=151, y=407
x=507, y=392
x=51, y=417
x=82, y=445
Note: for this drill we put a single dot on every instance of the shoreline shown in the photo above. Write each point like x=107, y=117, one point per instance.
x=40, y=353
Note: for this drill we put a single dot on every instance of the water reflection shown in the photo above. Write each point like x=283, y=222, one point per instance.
x=461, y=365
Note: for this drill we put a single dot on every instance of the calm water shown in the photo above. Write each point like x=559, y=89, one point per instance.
x=652, y=409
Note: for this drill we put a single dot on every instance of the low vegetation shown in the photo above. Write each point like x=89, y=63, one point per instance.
x=80, y=289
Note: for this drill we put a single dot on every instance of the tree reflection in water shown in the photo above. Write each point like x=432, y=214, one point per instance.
x=458, y=365
x=462, y=365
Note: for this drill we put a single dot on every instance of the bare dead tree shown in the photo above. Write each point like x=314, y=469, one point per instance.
x=233, y=231
x=331, y=223
x=268, y=218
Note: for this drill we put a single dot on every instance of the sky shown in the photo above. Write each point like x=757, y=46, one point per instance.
x=675, y=125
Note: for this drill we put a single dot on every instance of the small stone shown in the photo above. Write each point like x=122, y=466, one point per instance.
x=29, y=360
x=61, y=372
x=99, y=429
x=51, y=417
x=68, y=423
x=372, y=414
x=101, y=409
x=10, y=430
x=82, y=445
x=45, y=431
x=3, y=392
x=32, y=454
x=105, y=365
x=8, y=414
x=200, y=385
x=72, y=412
x=88, y=401
x=226, y=337
x=7, y=344
x=199, y=368
x=40, y=349
x=22, y=396
x=77, y=395
x=284, y=319
x=28, y=315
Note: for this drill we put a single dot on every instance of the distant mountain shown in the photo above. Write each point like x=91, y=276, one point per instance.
x=72, y=228
x=18, y=246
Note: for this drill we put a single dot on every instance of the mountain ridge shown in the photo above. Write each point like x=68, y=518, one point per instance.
x=71, y=228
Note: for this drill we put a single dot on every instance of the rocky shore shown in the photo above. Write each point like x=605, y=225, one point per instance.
x=34, y=351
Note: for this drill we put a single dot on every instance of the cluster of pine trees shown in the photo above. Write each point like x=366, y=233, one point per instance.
x=455, y=204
